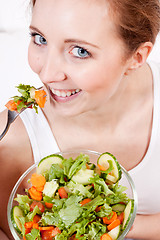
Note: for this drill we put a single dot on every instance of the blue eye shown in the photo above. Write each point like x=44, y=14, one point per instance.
x=80, y=52
x=38, y=39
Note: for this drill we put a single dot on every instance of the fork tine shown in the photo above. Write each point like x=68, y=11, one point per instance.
x=5, y=130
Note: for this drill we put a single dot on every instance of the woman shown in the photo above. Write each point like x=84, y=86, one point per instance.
x=102, y=95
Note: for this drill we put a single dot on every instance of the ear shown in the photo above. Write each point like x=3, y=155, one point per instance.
x=139, y=57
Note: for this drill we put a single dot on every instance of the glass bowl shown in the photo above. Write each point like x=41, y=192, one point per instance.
x=22, y=184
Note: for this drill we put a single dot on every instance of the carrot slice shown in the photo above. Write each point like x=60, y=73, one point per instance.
x=38, y=180
x=84, y=201
x=12, y=105
x=107, y=220
x=101, y=167
x=28, y=224
x=114, y=224
x=35, y=225
x=40, y=97
x=36, y=195
x=46, y=228
x=62, y=192
x=49, y=205
x=106, y=236
x=40, y=189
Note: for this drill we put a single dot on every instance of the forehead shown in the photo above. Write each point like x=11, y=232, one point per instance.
x=79, y=17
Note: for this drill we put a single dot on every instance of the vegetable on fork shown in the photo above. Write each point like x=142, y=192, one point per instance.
x=30, y=96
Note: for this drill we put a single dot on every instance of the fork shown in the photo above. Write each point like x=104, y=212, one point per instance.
x=12, y=115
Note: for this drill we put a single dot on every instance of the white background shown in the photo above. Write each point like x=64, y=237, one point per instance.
x=14, y=40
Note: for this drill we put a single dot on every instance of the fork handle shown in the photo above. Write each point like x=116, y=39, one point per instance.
x=5, y=131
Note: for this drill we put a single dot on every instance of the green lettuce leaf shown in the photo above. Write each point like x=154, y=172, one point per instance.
x=33, y=235
x=24, y=202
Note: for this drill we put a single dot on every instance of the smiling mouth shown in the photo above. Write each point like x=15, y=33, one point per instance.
x=65, y=93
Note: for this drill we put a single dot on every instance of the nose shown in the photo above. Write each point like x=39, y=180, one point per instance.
x=52, y=69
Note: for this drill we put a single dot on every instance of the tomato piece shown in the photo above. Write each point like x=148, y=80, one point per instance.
x=62, y=192
x=39, y=204
x=121, y=217
x=49, y=234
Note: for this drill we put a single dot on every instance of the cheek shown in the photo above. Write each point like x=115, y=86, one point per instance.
x=102, y=77
x=33, y=59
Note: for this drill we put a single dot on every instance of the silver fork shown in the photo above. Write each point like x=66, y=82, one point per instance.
x=12, y=115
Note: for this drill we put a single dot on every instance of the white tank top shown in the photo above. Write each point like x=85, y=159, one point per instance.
x=146, y=174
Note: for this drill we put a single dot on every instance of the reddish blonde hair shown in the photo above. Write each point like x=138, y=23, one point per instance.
x=137, y=21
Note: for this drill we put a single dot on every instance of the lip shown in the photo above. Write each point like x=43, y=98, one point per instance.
x=60, y=99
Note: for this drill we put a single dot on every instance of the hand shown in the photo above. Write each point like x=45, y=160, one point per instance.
x=145, y=227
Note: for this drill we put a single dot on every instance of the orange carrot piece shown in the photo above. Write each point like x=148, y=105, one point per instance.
x=28, y=224
x=107, y=220
x=46, y=228
x=40, y=189
x=62, y=192
x=101, y=167
x=106, y=236
x=84, y=201
x=38, y=180
x=12, y=105
x=49, y=205
x=114, y=224
x=87, y=166
x=35, y=225
x=36, y=195
x=36, y=218
x=40, y=97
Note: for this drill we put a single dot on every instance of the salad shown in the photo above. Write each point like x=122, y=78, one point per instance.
x=29, y=96
x=73, y=199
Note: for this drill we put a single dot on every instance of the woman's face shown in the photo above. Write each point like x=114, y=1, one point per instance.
x=76, y=53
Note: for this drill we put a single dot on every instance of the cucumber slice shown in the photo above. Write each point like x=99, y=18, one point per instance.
x=114, y=233
x=15, y=213
x=128, y=213
x=116, y=173
x=46, y=163
x=83, y=176
x=118, y=207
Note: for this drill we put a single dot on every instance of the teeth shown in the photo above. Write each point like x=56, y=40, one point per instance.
x=58, y=93
x=68, y=94
x=62, y=93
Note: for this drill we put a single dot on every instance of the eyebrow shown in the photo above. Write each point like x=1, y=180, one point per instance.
x=67, y=40
x=80, y=42
x=35, y=29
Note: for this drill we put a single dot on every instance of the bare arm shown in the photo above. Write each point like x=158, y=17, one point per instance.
x=146, y=227
x=13, y=163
